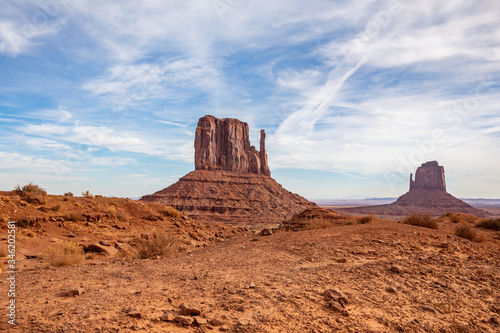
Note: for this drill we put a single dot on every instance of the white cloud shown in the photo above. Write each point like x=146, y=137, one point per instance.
x=16, y=38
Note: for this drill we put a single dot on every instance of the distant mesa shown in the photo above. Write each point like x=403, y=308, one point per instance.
x=427, y=194
x=232, y=181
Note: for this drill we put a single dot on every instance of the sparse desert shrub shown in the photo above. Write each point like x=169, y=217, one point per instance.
x=164, y=245
x=65, y=254
x=170, y=211
x=31, y=193
x=318, y=223
x=465, y=231
x=87, y=194
x=367, y=219
x=68, y=194
x=6, y=199
x=56, y=208
x=122, y=216
x=455, y=218
x=25, y=222
x=73, y=216
x=43, y=209
x=493, y=224
x=421, y=220
x=112, y=210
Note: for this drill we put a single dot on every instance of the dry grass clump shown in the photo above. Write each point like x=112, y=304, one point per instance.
x=367, y=219
x=493, y=224
x=56, y=208
x=170, y=211
x=122, y=216
x=465, y=231
x=163, y=245
x=421, y=220
x=65, y=254
x=68, y=194
x=73, y=216
x=112, y=210
x=87, y=194
x=25, y=222
x=31, y=193
x=318, y=223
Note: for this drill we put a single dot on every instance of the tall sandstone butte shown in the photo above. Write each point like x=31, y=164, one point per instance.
x=231, y=181
x=224, y=144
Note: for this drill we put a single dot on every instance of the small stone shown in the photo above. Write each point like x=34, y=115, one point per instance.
x=396, y=269
x=105, y=242
x=251, y=285
x=200, y=321
x=75, y=291
x=341, y=260
x=134, y=313
x=390, y=290
x=266, y=232
x=168, y=316
x=428, y=309
x=184, y=320
x=216, y=322
x=189, y=310
x=224, y=328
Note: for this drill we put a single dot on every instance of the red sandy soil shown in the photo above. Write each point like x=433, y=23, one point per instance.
x=396, y=278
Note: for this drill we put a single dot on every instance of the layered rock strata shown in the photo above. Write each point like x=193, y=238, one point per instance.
x=231, y=181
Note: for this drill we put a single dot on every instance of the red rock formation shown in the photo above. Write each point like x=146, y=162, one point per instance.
x=224, y=144
x=232, y=179
x=429, y=176
x=427, y=194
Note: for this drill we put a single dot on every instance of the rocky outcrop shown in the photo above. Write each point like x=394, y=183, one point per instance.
x=427, y=194
x=231, y=181
x=224, y=144
x=429, y=175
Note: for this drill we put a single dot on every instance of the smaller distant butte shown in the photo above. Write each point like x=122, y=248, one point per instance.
x=427, y=194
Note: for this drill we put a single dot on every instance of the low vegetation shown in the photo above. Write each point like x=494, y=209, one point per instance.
x=87, y=194
x=170, y=211
x=421, y=220
x=68, y=194
x=161, y=244
x=65, y=254
x=367, y=219
x=493, y=224
x=318, y=223
x=73, y=216
x=465, y=231
x=25, y=222
x=31, y=193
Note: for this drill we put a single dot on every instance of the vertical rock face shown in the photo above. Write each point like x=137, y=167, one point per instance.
x=224, y=144
x=429, y=175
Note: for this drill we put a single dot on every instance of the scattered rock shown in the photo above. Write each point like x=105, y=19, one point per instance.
x=100, y=248
x=168, y=316
x=200, y=321
x=184, y=320
x=251, y=285
x=396, y=269
x=189, y=310
x=216, y=322
x=75, y=291
x=336, y=295
x=341, y=260
x=134, y=312
x=266, y=232
x=390, y=290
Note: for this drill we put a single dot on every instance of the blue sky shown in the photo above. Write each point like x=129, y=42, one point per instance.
x=354, y=95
